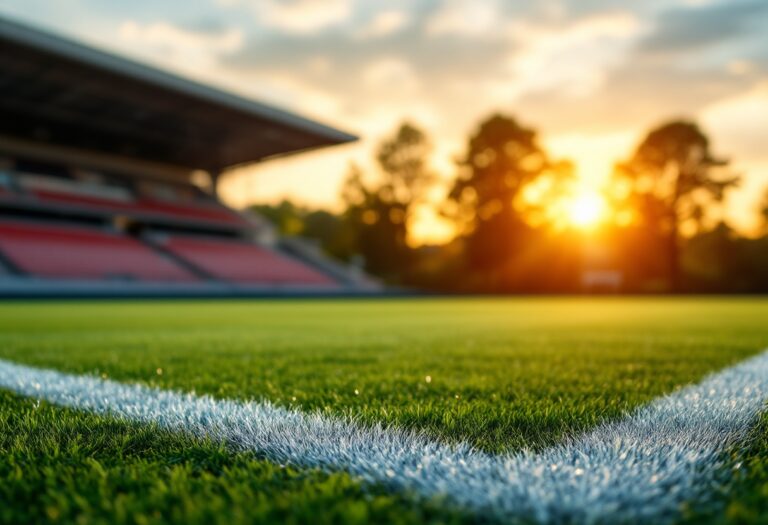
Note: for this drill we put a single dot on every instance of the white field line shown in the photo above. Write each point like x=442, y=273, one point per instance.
x=642, y=468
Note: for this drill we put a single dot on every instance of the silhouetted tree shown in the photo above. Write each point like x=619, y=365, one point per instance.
x=672, y=176
x=502, y=158
x=764, y=212
x=287, y=217
x=330, y=231
x=404, y=160
x=379, y=211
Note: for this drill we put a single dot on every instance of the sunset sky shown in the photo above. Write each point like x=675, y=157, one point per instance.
x=591, y=75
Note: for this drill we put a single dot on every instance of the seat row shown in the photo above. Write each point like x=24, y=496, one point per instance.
x=70, y=251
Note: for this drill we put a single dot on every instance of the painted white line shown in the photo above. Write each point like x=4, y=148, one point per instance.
x=642, y=468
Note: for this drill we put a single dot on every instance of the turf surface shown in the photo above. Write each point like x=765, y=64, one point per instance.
x=501, y=374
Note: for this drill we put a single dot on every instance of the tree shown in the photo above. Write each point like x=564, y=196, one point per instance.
x=501, y=159
x=672, y=177
x=404, y=159
x=764, y=211
x=330, y=231
x=379, y=212
x=287, y=217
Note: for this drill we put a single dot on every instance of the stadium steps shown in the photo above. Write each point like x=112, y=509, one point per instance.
x=243, y=262
x=309, y=252
x=154, y=242
x=8, y=267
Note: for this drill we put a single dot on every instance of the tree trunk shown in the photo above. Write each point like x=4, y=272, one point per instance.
x=673, y=256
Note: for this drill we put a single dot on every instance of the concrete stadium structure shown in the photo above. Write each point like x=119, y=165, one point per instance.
x=108, y=177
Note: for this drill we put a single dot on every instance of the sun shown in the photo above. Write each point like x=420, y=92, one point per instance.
x=586, y=209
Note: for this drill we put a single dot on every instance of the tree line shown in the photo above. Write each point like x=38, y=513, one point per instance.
x=664, y=231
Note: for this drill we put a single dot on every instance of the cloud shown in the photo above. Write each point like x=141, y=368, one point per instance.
x=303, y=16
x=465, y=18
x=573, y=58
x=181, y=48
x=635, y=94
x=162, y=33
x=341, y=63
x=391, y=74
x=646, y=83
x=382, y=24
x=740, y=123
x=698, y=27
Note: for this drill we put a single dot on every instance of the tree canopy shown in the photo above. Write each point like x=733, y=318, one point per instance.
x=501, y=160
x=673, y=177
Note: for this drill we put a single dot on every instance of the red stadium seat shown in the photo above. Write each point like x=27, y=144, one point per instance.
x=86, y=201
x=73, y=252
x=198, y=213
x=116, y=199
x=243, y=262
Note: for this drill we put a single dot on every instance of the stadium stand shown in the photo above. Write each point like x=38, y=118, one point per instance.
x=76, y=252
x=100, y=180
x=149, y=208
x=242, y=262
x=90, y=190
x=189, y=212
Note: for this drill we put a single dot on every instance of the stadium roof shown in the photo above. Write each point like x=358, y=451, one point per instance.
x=61, y=92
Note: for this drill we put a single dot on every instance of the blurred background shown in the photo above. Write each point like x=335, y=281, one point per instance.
x=506, y=147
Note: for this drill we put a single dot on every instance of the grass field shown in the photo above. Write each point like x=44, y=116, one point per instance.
x=502, y=375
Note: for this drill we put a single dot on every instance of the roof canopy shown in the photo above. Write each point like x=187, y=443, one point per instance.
x=61, y=92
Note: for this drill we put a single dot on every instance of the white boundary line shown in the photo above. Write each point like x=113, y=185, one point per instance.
x=642, y=468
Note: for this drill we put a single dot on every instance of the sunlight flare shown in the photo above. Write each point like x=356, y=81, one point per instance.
x=586, y=209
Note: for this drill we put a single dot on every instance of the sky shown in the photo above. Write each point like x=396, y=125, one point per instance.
x=592, y=76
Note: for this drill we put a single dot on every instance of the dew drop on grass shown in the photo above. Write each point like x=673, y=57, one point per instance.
x=428, y=379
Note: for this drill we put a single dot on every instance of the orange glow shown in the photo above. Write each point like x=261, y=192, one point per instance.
x=586, y=209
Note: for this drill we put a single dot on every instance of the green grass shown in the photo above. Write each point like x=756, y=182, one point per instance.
x=504, y=375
